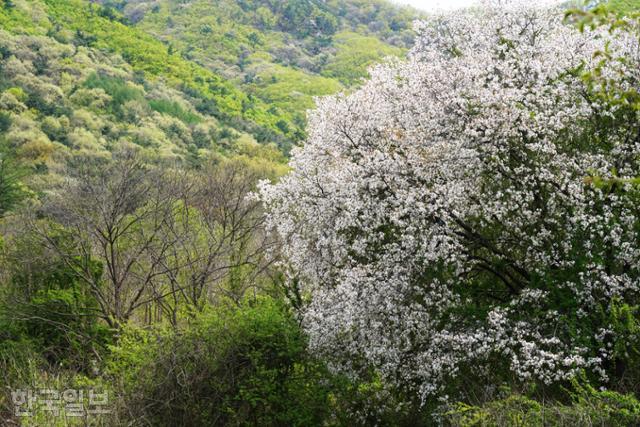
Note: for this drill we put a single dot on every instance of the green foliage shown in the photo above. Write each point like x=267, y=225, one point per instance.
x=50, y=336
x=142, y=52
x=618, y=93
x=5, y=122
x=624, y=6
x=118, y=89
x=242, y=365
x=60, y=322
x=283, y=53
x=12, y=17
x=86, y=25
x=174, y=109
x=355, y=53
x=82, y=101
x=18, y=354
x=11, y=189
x=588, y=407
x=623, y=341
x=291, y=90
x=20, y=362
x=48, y=305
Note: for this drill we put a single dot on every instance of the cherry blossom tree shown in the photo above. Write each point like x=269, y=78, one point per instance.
x=471, y=211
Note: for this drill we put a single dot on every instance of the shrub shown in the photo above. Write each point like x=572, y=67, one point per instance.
x=588, y=407
x=5, y=122
x=47, y=305
x=232, y=366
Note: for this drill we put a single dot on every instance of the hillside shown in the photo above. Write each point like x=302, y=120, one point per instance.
x=284, y=53
x=76, y=82
x=178, y=78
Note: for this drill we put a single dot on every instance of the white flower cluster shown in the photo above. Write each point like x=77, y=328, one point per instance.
x=442, y=217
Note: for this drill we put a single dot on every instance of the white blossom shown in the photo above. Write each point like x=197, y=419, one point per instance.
x=439, y=217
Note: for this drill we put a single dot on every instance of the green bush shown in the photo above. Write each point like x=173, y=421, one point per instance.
x=588, y=407
x=47, y=305
x=19, y=364
x=242, y=365
x=67, y=334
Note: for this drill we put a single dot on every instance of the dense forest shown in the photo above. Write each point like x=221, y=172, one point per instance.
x=319, y=213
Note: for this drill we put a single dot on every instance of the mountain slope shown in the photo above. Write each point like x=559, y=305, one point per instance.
x=80, y=26
x=248, y=66
x=75, y=84
x=282, y=52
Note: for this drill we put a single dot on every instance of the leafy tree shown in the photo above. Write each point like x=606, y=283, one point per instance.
x=470, y=215
x=624, y=6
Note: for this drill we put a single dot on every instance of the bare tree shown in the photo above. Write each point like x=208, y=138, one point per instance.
x=153, y=239
x=114, y=214
x=217, y=239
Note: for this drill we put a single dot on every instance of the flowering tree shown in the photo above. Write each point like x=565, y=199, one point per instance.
x=472, y=210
